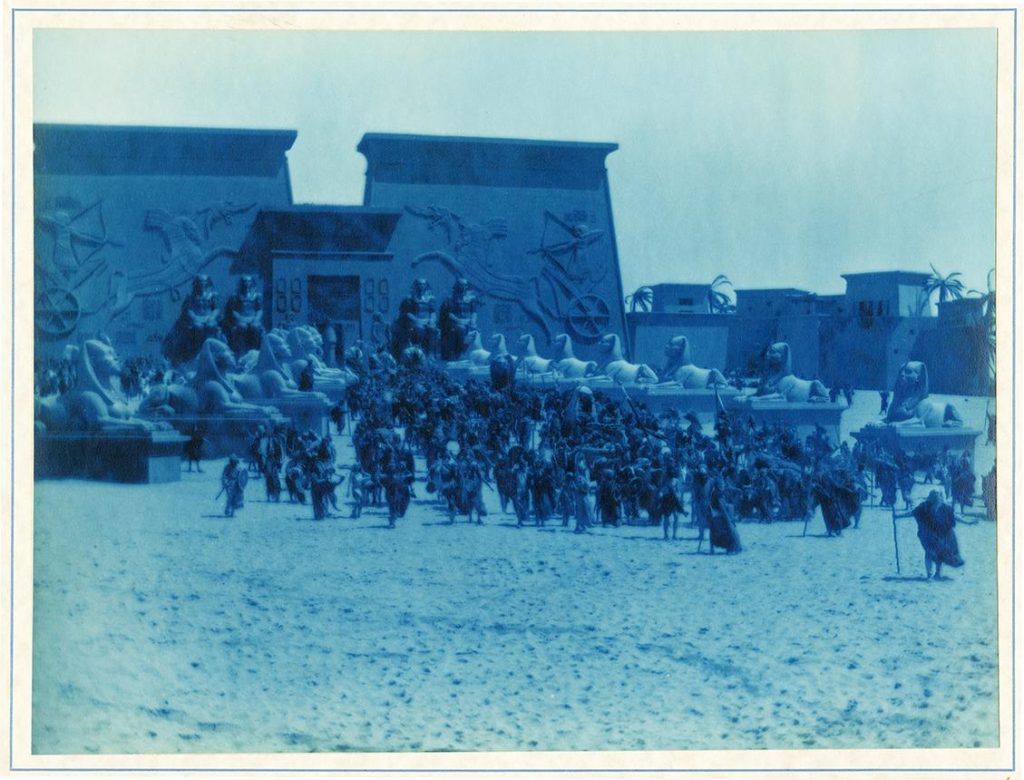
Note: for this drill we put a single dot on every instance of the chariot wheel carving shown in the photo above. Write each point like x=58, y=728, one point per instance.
x=587, y=318
x=57, y=311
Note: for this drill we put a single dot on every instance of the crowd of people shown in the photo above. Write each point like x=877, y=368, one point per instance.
x=584, y=458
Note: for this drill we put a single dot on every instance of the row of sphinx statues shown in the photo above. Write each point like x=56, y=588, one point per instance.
x=287, y=367
x=229, y=365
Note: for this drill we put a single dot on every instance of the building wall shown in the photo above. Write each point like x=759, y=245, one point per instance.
x=502, y=213
x=708, y=335
x=122, y=227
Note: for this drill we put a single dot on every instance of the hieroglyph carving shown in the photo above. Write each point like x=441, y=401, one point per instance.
x=561, y=290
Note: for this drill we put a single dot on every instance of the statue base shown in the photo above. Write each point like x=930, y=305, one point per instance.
x=304, y=413
x=919, y=440
x=122, y=456
x=662, y=398
x=463, y=370
x=225, y=435
x=804, y=417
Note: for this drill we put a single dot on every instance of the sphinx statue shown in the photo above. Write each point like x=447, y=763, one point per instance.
x=416, y=324
x=679, y=368
x=214, y=386
x=269, y=378
x=477, y=355
x=567, y=364
x=305, y=348
x=457, y=320
x=620, y=370
x=198, y=321
x=532, y=363
x=96, y=402
x=242, y=322
x=911, y=404
x=779, y=383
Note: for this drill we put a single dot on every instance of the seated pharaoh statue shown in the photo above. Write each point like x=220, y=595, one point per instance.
x=215, y=388
x=911, y=404
x=679, y=368
x=416, y=324
x=457, y=320
x=96, y=402
x=198, y=321
x=242, y=322
x=305, y=349
x=778, y=383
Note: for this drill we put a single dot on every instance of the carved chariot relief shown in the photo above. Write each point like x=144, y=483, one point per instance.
x=76, y=279
x=557, y=288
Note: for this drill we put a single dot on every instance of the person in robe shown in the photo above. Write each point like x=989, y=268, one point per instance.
x=935, y=529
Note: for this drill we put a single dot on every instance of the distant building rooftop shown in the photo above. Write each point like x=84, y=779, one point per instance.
x=912, y=277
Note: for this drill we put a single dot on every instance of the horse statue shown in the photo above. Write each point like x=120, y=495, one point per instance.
x=620, y=370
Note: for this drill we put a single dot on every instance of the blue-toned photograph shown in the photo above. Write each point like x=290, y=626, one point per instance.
x=422, y=391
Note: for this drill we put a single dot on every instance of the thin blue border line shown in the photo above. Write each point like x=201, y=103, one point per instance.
x=996, y=9
x=538, y=771
x=10, y=722
x=1013, y=420
x=453, y=771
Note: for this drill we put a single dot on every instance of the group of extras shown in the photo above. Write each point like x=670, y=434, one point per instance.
x=582, y=457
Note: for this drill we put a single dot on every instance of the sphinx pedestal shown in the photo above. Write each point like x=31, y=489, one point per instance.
x=143, y=456
x=919, y=440
x=801, y=416
x=225, y=435
x=662, y=398
x=309, y=413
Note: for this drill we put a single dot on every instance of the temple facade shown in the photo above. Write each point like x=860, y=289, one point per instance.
x=126, y=217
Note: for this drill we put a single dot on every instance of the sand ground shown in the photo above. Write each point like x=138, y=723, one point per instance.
x=161, y=626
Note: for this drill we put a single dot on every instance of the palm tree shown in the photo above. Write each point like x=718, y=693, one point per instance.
x=948, y=287
x=989, y=311
x=987, y=325
x=642, y=299
x=718, y=301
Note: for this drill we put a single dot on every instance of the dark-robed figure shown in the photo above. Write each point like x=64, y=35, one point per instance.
x=835, y=491
x=935, y=524
x=721, y=525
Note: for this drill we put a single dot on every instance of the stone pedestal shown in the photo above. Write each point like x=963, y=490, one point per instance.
x=661, y=398
x=143, y=456
x=801, y=416
x=919, y=440
x=306, y=413
x=463, y=370
x=225, y=435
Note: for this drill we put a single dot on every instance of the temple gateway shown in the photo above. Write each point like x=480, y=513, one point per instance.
x=141, y=232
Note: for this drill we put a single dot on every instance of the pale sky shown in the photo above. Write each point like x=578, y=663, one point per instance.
x=779, y=159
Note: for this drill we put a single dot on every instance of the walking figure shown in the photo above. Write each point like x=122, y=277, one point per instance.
x=233, y=481
x=194, y=449
x=935, y=524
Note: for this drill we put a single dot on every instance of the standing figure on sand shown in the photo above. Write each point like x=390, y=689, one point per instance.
x=935, y=524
